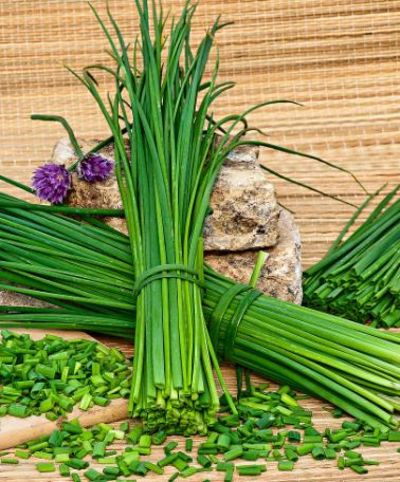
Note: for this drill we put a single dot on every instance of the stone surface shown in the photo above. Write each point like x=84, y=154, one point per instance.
x=244, y=210
x=281, y=274
x=7, y=298
x=246, y=218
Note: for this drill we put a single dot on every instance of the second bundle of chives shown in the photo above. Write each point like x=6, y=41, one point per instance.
x=359, y=278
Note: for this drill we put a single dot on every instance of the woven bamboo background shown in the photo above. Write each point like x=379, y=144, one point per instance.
x=339, y=58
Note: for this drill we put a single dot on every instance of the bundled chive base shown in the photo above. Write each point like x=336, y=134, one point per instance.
x=353, y=366
x=359, y=278
x=269, y=427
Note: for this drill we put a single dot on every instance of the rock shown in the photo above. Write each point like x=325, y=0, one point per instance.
x=244, y=208
x=245, y=218
x=281, y=274
x=7, y=298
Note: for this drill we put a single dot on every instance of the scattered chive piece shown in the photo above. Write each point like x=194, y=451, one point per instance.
x=285, y=465
x=22, y=454
x=394, y=436
x=9, y=461
x=64, y=470
x=170, y=447
x=233, y=454
x=45, y=467
x=251, y=469
x=204, y=461
x=359, y=469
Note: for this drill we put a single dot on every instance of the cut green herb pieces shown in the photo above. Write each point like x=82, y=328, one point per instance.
x=45, y=467
x=59, y=369
x=285, y=465
x=251, y=469
x=9, y=461
x=270, y=326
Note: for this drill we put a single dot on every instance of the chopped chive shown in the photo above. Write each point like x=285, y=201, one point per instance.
x=92, y=475
x=233, y=454
x=9, y=461
x=22, y=454
x=188, y=444
x=251, y=469
x=204, y=461
x=170, y=447
x=64, y=470
x=45, y=467
x=285, y=465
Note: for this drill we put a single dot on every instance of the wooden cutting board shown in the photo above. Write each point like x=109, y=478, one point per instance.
x=14, y=430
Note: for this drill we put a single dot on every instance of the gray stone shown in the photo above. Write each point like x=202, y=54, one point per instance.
x=281, y=274
x=7, y=298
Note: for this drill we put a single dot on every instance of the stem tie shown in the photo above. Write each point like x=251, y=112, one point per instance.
x=223, y=329
x=178, y=271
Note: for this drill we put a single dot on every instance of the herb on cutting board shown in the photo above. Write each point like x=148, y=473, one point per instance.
x=163, y=105
x=52, y=375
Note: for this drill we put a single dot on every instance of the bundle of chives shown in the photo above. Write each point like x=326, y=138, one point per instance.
x=359, y=278
x=353, y=366
x=163, y=107
x=165, y=183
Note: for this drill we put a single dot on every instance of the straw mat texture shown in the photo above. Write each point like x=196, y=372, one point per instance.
x=339, y=58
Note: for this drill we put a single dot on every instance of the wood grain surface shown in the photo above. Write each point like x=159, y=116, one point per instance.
x=339, y=58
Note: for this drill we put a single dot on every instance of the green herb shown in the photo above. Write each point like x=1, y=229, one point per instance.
x=251, y=469
x=9, y=461
x=264, y=333
x=57, y=369
x=285, y=465
x=165, y=179
x=359, y=278
x=45, y=467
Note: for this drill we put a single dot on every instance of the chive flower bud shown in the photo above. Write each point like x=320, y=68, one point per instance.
x=51, y=182
x=95, y=168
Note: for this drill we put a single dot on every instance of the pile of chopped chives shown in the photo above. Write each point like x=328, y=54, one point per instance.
x=359, y=278
x=51, y=376
x=270, y=427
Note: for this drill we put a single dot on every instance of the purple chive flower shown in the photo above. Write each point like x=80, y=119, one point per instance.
x=51, y=183
x=94, y=168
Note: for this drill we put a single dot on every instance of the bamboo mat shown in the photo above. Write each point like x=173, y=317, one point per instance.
x=339, y=58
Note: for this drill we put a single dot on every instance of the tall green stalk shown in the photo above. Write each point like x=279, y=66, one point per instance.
x=165, y=183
